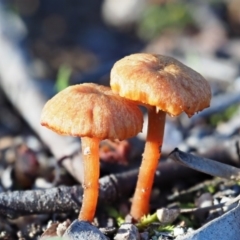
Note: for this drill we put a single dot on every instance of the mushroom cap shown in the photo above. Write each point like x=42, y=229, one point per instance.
x=91, y=110
x=160, y=81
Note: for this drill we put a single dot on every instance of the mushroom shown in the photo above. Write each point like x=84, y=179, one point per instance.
x=94, y=113
x=163, y=85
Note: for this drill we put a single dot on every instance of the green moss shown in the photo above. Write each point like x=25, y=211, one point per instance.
x=112, y=212
x=210, y=188
x=147, y=220
x=63, y=78
x=224, y=116
x=167, y=228
x=188, y=221
x=187, y=205
x=156, y=18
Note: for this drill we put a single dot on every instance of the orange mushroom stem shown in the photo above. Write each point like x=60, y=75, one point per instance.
x=151, y=156
x=90, y=150
x=163, y=83
x=94, y=113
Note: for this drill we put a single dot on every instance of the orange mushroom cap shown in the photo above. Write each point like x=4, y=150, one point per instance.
x=91, y=110
x=160, y=81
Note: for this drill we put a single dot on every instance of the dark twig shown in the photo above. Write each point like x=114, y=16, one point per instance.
x=66, y=199
x=206, y=165
x=204, y=209
x=54, y=200
x=237, y=149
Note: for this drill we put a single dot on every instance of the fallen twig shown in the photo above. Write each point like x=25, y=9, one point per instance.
x=54, y=200
x=65, y=199
x=206, y=165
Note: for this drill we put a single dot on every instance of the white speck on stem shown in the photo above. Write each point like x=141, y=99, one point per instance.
x=157, y=109
x=86, y=151
x=143, y=190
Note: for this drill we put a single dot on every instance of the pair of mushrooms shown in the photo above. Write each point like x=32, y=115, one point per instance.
x=93, y=112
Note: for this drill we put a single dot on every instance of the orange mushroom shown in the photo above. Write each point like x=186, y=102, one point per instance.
x=93, y=113
x=163, y=85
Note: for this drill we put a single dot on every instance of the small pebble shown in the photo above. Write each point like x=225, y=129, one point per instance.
x=144, y=236
x=127, y=231
x=178, y=231
x=81, y=230
x=166, y=215
x=6, y=178
x=61, y=228
x=41, y=183
x=205, y=200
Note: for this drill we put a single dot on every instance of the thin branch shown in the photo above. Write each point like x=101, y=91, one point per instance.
x=66, y=199
x=206, y=165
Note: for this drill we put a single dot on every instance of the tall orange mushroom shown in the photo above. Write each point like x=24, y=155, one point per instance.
x=93, y=113
x=164, y=85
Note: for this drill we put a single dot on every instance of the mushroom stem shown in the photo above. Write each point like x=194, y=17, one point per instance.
x=151, y=156
x=90, y=150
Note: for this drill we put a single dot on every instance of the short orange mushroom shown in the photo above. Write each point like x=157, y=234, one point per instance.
x=93, y=113
x=164, y=85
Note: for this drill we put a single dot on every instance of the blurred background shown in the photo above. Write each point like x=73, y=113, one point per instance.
x=81, y=41
x=53, y=44
x=47, y=45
